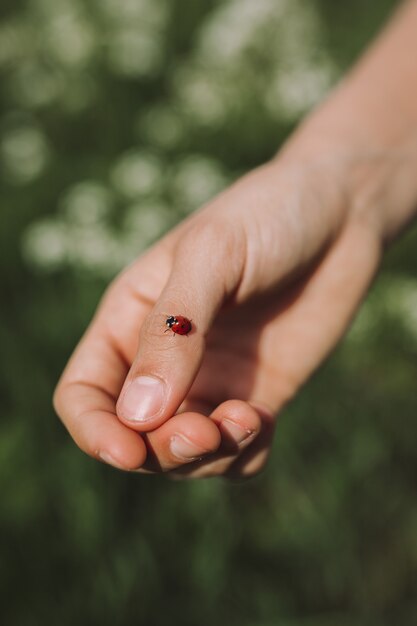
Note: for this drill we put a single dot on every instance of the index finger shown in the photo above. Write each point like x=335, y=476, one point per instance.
x=86, y=395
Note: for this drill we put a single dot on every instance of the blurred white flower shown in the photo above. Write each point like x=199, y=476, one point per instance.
x=12, y=35
x=162, y=126
x=34, y=85
x=146, y=222
x=394, y=300
x=70, y=38
x=93, y=247
x=233, y=26
x=137, y=173
x=204, y=96
x=86, y=202
x=271, y=50
x=196, y=180
x=295, y=90
x=44, y=244
x=401, y=299
x=48, y=9
x=133, y=52
x=54, y=243
x=24, y=152
x=148, y=12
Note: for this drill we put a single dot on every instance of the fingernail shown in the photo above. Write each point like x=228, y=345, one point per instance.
x=183, y=448
x=238, y=433
x=143, y=399
x=107, y=458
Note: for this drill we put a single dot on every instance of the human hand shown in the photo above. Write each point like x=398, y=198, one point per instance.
x=271, y=273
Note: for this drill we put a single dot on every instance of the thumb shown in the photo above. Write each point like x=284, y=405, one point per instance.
x=205, y=271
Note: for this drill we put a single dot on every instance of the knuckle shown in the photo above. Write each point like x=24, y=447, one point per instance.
x=204, y=235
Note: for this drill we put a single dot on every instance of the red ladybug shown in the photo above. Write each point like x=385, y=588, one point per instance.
x=178, y=324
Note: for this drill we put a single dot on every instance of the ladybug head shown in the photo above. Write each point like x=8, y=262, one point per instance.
x=170, y=321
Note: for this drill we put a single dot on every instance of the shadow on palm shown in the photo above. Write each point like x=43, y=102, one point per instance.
x=236, y=365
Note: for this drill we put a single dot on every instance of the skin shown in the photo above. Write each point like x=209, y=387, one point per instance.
x=271, y=272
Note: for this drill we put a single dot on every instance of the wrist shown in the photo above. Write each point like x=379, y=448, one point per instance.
x=385, y=190
x=376, y=182
x=368, y=126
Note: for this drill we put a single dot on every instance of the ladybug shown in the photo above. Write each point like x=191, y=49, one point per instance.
x=178, y=324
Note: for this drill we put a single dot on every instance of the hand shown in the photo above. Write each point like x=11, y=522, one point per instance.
x=271, y=273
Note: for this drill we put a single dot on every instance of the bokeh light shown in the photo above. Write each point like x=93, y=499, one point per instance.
x=24, y=151
x=137, y=173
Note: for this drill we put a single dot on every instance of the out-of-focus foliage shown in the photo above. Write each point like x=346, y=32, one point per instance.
x=117, y=118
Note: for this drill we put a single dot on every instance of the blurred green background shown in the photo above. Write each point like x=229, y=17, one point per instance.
x=117, y=118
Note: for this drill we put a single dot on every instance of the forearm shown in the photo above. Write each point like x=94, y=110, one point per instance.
x=368, y=128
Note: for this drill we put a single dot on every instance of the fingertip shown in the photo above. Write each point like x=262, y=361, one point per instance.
x=127, y=457
x=142, y=402
x=238, y=422
x=105, y=438
x=182, y=439
x=199, y=428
